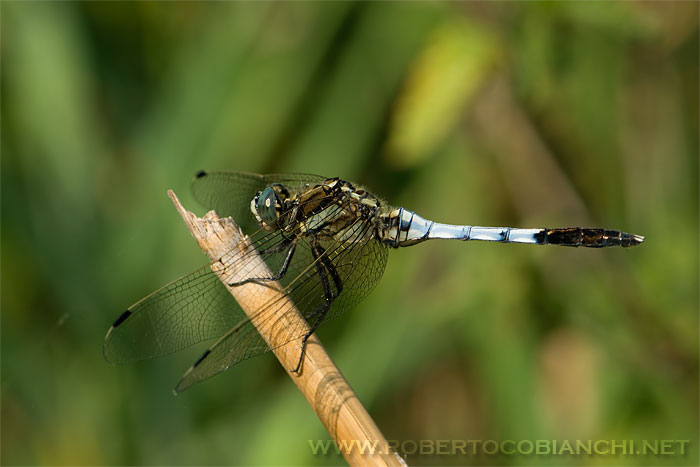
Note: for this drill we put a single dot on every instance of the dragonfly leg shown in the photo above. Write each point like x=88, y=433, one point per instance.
x=280, y=274
x=324, y=266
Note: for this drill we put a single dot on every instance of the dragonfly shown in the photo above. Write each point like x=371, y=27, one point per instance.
x=325, y=241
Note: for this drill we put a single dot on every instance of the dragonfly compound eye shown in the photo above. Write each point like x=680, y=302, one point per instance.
x=266, y=205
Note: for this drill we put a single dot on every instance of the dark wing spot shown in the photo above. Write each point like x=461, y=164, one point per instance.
x=199, y=360
x=200, y=174
x=121, y=318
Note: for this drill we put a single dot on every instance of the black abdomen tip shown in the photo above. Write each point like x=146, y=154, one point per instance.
x=591, y=238
x=200, y=174
x=121, y=318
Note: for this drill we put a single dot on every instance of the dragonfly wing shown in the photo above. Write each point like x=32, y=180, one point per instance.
x=192, y=309
x=358, y=263
x=196, y=307
x=239, y=343
x=189, y=310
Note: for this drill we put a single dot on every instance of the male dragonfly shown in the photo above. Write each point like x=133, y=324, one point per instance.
x=326, y=241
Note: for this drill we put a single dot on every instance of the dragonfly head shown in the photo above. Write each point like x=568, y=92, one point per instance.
x=267, y=205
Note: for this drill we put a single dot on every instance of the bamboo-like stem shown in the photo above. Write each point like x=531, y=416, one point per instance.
x=321, y=382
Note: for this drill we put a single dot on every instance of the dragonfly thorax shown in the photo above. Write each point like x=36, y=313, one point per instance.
x=334, y=208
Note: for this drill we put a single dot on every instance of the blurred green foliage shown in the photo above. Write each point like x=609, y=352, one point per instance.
x=523, y=114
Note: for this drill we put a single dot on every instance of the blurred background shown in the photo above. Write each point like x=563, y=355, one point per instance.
x=520, y=114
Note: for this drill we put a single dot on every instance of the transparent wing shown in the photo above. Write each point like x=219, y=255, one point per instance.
x=198, y=307
x=189, y=310
x=358, y=265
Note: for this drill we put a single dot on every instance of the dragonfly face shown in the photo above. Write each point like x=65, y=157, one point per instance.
x=268, y=205
x=326, y=242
